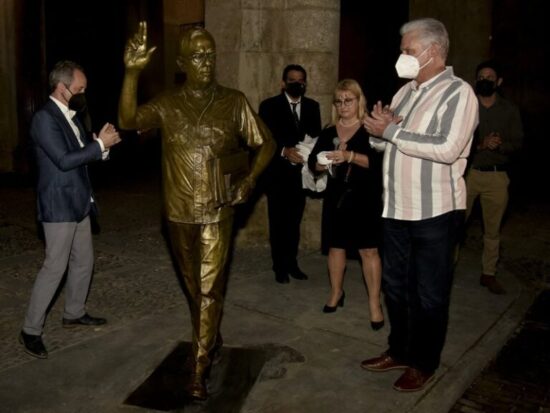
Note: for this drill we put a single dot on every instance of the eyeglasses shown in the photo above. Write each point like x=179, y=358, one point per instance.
x=202, y=57
x=346, y=102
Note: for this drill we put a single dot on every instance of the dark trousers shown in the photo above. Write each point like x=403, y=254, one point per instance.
x=417, y=279
x=285, y=208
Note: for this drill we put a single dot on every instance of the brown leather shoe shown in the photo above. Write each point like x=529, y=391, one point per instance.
x=413, y=380
x=196, y=387
x=492, y=284
x=384, y=362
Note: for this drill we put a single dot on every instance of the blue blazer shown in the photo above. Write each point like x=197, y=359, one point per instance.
x=64, y=191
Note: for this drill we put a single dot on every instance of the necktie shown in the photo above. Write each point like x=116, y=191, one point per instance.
x=294, y=113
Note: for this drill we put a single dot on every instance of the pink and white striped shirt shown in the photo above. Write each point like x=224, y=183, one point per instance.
x=425, y=154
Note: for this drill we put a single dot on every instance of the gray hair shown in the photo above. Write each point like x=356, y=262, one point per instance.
x=431, y=31
x=63, y=72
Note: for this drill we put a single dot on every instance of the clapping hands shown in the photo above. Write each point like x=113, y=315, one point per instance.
x=108, y=135
x=378, y=120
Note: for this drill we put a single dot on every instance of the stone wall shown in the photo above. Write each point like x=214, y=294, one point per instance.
x=255, y=40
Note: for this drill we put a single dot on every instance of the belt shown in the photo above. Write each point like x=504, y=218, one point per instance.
x=491, y=168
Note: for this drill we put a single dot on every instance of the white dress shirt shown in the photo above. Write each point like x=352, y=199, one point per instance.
x=69, y=115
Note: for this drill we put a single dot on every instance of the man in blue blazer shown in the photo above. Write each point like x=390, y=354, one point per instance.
x=290, y=116
x=64, y=200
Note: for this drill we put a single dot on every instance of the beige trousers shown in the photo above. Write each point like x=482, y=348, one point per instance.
x=68, y=244
x=492, y=190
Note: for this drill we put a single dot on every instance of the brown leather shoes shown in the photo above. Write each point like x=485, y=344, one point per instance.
x=384, y=362
x=492, y=284
x=413, y=380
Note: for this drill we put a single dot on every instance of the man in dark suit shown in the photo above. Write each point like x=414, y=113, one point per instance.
x=64, y=200
x=290, y=116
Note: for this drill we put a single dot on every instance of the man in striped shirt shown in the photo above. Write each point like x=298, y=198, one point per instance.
x=426, y=134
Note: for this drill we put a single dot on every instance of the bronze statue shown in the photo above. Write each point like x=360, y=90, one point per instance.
x=204, y=126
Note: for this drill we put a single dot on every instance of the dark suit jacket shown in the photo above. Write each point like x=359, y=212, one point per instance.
x=277, y=115
x=63, y=190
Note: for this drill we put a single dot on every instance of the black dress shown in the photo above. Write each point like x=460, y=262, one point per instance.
x=352, y=206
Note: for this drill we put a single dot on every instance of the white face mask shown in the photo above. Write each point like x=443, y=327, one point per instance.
x=408, y=67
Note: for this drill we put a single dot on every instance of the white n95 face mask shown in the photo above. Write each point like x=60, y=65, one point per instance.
x=408, y=67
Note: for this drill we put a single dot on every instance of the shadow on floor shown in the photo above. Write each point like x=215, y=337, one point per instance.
x=230, y=380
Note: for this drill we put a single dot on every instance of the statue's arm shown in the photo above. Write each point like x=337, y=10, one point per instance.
x=136, y=57
x=263, y=152
x=128, y=102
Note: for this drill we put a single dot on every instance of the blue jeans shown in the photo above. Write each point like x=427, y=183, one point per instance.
x=417, y=278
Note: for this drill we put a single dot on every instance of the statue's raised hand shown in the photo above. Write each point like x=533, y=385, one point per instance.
x=136, y=54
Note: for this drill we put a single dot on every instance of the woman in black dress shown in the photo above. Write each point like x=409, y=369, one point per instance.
x=352, y=205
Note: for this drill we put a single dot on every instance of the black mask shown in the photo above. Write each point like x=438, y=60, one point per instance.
x=485, y=87
x=295, y=89
x=77, y=102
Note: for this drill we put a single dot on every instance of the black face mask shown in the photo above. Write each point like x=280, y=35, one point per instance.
x=485, y=87
x=295, y=89
x=77, y=102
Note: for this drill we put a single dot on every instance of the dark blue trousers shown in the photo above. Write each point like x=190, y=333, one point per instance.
x=417, y=279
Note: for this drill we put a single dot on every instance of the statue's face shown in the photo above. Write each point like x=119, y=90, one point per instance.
x=198, y=61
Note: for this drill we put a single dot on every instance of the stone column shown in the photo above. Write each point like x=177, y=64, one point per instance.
x=255, y=40
x=8, y=98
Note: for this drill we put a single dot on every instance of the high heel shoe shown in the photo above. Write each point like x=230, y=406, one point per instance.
x=340, y=303
x=377, y=325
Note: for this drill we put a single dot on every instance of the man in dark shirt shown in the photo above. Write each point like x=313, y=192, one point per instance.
x=498, y=136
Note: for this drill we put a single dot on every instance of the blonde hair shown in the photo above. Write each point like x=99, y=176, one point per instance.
x=350, y=85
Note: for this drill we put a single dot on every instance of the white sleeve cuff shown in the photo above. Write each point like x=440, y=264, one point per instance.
x=101, y=144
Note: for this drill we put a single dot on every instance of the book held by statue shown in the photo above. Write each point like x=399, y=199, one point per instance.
x=227, y=172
